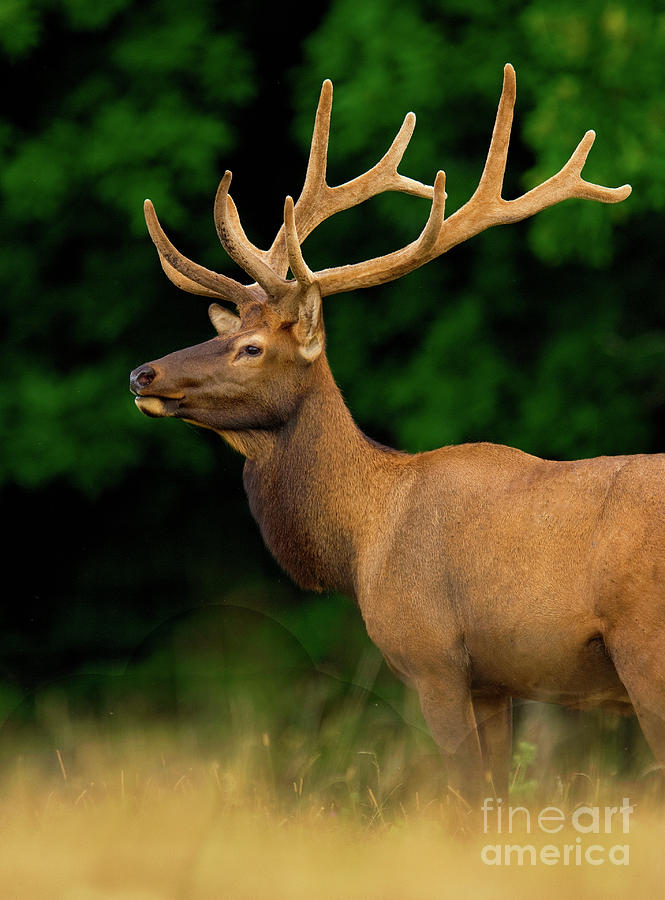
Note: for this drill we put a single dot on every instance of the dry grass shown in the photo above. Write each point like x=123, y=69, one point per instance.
x=140, y=819
x=180, y=780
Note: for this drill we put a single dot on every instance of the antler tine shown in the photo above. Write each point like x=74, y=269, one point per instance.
x=314, y=186
x=571, y=176
x=235, y=242
x=188, y=275
x=317, y=164
x=567, y=183
x=387, y=165
x=491, y=181
x=434, y=223
x=301, y=271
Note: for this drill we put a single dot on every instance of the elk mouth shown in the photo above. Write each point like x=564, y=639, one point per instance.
x=157, y=407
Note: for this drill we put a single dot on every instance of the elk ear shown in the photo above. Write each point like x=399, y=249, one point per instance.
x=309, y=327
x=223, y=320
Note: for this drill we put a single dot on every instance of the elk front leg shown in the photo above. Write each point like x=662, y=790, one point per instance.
x=446, y=703
x=494, y=718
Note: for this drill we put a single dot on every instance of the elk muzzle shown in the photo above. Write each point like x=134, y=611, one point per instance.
x=148, y=398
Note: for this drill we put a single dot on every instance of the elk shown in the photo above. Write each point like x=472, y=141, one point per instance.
x=482, y=573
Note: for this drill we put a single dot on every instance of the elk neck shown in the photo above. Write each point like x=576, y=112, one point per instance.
x=318, y=489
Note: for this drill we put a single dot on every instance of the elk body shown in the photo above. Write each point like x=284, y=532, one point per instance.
x=482, y=573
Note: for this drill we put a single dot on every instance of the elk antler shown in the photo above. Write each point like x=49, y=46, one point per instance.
x=318, y=201
x=485, y=208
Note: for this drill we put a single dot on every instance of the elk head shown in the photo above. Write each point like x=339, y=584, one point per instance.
x=265, y=357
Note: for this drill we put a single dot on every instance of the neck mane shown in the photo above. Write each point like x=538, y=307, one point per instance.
x=317, y=487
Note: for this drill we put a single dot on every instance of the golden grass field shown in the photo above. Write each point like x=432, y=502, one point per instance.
x=261, y=776
x=151, y=816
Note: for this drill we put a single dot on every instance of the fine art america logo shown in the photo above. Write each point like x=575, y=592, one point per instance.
x=580, y=846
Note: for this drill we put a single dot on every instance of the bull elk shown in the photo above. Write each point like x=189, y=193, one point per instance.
x=482, y=573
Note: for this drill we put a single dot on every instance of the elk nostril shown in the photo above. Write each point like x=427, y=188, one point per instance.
x=143, y=376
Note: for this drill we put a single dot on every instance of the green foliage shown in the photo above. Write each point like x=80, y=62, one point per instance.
x=138, y=101
x=19, y=27
x=492, y=342
x=600, y=66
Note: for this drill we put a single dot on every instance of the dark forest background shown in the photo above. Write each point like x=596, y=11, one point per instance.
x=548, y=335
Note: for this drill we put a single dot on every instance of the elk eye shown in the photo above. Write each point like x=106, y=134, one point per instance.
x=253, y=350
